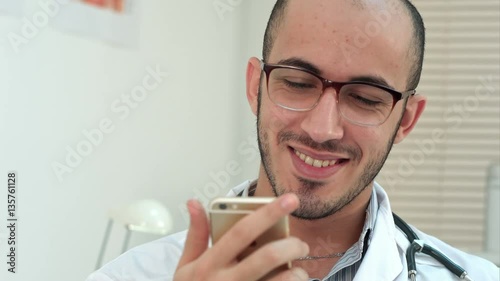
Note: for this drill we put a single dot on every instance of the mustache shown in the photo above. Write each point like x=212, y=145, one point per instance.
x=333, y=146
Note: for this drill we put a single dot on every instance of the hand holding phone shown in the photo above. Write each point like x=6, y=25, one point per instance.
x=220, y=262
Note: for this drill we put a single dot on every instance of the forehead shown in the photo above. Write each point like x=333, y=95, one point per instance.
x=346, y=39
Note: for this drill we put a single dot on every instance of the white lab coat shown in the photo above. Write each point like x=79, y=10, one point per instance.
x=385, y=258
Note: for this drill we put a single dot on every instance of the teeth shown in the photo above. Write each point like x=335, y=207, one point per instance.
x=315, y=162
x=309, y=161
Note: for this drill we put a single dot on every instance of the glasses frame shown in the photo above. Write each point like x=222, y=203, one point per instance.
x=267, y=68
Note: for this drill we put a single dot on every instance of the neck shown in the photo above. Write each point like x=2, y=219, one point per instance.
x=332, y=234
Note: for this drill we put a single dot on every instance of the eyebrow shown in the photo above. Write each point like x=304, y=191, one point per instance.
x=372, y=79
x=297, y=62
x=302, y=64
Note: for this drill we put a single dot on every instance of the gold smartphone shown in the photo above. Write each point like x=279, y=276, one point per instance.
x=225, y=212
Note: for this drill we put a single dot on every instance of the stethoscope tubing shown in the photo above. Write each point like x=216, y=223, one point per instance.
x=418, y=245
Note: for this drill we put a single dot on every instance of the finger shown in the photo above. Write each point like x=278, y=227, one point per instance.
x=270, y=257
x=294, y=274
x=197, y=236
x=244, y=232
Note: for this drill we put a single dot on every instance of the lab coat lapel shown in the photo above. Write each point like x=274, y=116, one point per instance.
x=383, y=260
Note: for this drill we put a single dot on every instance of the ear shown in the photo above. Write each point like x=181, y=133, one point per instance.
x=414, y=108
x=253, y=82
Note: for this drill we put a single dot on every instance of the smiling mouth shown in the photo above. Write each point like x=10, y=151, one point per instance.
x=318, y=163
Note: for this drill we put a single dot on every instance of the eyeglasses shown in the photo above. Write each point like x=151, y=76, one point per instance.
x=361, y=103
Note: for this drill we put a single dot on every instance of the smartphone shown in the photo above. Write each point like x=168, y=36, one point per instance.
x=225, y=212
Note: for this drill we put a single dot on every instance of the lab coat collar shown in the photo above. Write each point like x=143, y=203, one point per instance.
x=383, y=259
x=242, y=187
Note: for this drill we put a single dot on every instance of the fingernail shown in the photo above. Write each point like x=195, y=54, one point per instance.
x=288, y=202
x=192, y=206
x=300, y=274
x=306, y=249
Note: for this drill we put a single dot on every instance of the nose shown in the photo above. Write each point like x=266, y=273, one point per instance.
x=323, y=122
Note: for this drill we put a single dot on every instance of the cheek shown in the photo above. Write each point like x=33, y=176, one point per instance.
x=370, y=141
x=279, y=119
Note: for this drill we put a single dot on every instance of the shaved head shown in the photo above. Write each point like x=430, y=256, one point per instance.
x=416, y=46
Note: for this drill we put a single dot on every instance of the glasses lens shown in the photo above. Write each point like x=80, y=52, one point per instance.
x=365, y=104
x=294, y=89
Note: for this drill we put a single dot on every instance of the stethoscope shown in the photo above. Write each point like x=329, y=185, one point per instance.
x=418, y=245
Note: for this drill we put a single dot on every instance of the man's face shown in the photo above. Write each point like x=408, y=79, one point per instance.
x=340, y=40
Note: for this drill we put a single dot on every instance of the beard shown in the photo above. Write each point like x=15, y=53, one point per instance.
x=313, y=206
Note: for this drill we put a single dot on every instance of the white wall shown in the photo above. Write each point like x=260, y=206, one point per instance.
x=254, y=18
x=168, y=148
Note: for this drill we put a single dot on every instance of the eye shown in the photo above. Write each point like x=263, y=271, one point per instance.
x=298, y=85
x=360, y=99
x=366, y=96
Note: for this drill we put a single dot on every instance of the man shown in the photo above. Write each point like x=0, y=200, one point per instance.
x=322, y=143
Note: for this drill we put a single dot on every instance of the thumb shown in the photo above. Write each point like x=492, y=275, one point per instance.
x=197, y=236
